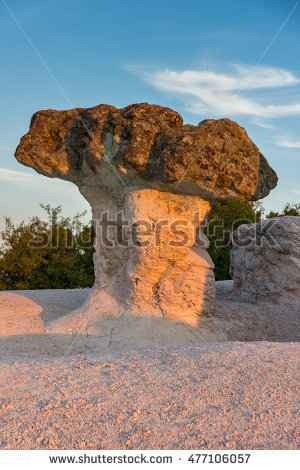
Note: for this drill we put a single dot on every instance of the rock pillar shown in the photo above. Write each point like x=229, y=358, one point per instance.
x=150, y=253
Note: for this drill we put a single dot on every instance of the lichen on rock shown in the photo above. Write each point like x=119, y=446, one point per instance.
x=148, y=146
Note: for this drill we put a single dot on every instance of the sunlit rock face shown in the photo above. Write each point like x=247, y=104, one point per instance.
x=265, y=261
x=158, y=265
x=150, y=181
x=146, y=145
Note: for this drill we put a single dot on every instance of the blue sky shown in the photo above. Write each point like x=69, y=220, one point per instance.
x=233, y=58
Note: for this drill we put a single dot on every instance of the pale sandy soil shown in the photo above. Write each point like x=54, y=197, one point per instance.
x=58, y=392
x=211, y=395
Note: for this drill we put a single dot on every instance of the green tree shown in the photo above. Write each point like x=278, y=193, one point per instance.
x=224, y=217
x=56, y=254
x=289, y=209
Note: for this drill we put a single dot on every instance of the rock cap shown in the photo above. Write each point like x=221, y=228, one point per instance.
x=144, y=145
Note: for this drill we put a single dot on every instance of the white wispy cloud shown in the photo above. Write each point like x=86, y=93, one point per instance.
x=14, y=176
x=40, y=183
x=288, y=143
x=226, y=93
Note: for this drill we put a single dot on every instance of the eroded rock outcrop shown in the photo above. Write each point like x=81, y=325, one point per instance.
x=265, y=261
x=148, y=146
x=150, y=181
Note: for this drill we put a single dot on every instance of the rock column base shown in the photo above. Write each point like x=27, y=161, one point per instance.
x=154, y=278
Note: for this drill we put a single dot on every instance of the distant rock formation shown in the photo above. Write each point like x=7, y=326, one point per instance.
x=265, y=260
x=150, y=181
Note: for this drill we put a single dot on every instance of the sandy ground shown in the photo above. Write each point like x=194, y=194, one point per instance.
x=57, y=392
x=245, y=321
x=213, y=395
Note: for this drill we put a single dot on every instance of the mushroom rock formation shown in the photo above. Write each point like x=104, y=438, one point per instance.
x=265, y=261
x=150, y=181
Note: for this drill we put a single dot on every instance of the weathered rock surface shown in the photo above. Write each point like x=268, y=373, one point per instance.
x=265, y=260
x=153, y=278
x=146, y=145
x=154, y=290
